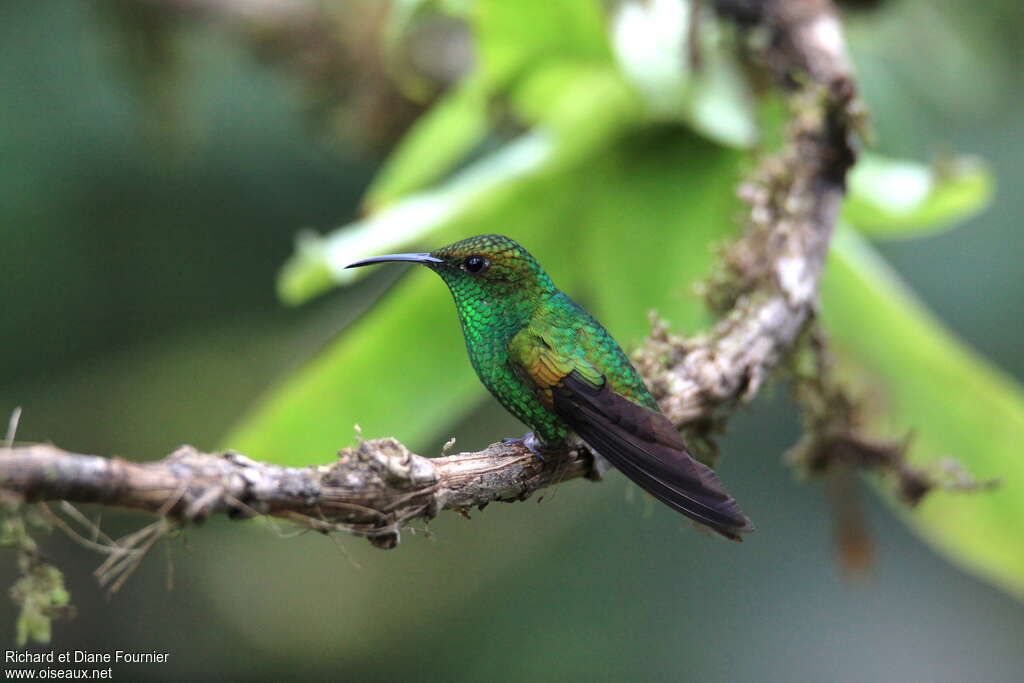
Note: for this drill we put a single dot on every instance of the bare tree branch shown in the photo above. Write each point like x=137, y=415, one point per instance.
x=767, y=294
x=371, y=490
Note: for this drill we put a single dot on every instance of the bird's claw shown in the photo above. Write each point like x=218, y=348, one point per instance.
x=531, y=442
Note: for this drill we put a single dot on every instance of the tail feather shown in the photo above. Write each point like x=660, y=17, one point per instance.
x=644, y=445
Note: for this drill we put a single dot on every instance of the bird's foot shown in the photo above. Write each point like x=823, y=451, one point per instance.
x=532, y=444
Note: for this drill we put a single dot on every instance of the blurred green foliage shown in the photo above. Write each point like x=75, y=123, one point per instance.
x=918, y=380
x=140, y=313
x=889, y=198
x=39, y=592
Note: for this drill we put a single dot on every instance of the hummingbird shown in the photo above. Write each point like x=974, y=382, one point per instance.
x=555, y=368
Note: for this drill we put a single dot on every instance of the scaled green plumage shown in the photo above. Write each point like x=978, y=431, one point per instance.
x=553, y=366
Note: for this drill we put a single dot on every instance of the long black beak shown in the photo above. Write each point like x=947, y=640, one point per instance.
x=425, y=259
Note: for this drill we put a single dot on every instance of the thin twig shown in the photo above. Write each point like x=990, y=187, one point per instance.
x=12, y=426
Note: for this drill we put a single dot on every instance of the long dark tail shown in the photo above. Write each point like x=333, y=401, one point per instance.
x=644, y=445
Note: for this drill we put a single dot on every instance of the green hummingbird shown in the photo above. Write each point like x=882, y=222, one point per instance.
x=554, y=367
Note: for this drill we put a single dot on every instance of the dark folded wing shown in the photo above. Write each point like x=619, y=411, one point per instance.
x=644, y=445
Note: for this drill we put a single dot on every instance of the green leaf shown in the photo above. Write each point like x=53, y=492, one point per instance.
x=434, y=145
x=513, y=37
x=319, y=262
x=582, y=106
x=598, y=107
x=552, y=55
x=924, y=382
x=657, y=203
x=579, y=105
x=652, y=48
x=890, y=198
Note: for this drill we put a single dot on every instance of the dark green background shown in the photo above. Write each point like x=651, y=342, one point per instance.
x=137, y=312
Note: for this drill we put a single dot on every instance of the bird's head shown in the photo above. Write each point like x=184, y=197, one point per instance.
x=486, y=268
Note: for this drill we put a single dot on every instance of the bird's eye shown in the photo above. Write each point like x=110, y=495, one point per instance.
x=476, y=264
